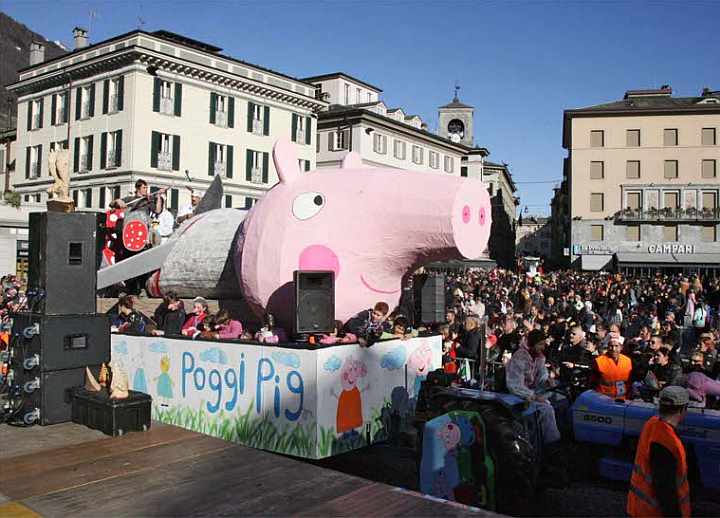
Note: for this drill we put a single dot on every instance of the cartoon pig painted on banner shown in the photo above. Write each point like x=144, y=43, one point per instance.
x=370, y=226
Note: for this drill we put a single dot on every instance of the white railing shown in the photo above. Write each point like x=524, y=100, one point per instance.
x=85, y=110
x=114, y=103
x=35, y=170
x=257, y=127
x=165, y=161
x=84, y=163
x=166, y=106
x=221, y=119
x=256, y=175
x=36, y=121
x=300, y=137
x=219, y=168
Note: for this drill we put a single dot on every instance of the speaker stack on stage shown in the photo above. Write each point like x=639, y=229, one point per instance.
x=429, y=294
x=60, y=334
x=314, y=302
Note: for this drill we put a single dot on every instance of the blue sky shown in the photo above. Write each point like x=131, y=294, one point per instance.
x=519, y=63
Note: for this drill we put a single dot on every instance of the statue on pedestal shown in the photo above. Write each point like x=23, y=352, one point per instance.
x=58, y=165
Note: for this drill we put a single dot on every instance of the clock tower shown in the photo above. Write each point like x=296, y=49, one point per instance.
x=456, y=121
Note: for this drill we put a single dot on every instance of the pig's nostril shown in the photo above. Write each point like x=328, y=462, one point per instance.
x=482, y=215
x=466, y=214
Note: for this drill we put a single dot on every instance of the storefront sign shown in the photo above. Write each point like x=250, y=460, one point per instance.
x=671, y=248
x=593, y=250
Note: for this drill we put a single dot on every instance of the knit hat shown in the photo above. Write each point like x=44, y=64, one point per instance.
x=674, y=396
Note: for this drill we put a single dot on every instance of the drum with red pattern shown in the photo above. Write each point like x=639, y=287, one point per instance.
x=135, y=231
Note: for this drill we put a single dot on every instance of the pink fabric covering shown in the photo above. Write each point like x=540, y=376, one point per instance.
x=230, y=330
x=349, y=338
x=700, y=386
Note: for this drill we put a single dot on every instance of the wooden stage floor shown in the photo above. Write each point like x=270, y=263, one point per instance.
x=69, y=470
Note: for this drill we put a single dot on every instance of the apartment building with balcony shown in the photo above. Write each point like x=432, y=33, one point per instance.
x=642, y=182
x=162, y=107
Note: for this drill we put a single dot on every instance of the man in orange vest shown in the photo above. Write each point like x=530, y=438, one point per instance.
x=659, y=484
x=611, y=372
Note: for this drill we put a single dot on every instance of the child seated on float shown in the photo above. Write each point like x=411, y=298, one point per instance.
x=338, y=336
x=400, y=329
x=222, y=327
x=270, y=333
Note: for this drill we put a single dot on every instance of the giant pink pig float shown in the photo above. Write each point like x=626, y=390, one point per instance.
x=370, y=226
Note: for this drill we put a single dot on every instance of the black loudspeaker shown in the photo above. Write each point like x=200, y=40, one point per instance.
x=314, y=301
x=432, y=299
x=62, y=341
x=63, y=261
x=53, y=396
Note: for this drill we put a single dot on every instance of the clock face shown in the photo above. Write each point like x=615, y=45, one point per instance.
x=456, y=127
x=455, y=137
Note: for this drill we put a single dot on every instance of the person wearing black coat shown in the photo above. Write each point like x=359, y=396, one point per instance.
x=471, y=341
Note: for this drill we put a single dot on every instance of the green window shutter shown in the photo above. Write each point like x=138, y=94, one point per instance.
x=154, y=148
x=331, y=137
x=103, y=150
x=78, y=103
x=176, y=152
x=251, y=107
x=75, y=197
x=66, y=111
x=248, y=165
x=118, y=148
x=76, y=162
x=229, y=161
x=231, y=112
x=211, y=159
x=157, y=85
x=90, y=153
x=174, y=199
x=40, y=160
x=92, y=100
x=293, y=132
x=88, y=198
x=28, y=155
x=121, y=93
x=53, y=108
x=228, y=201
x=308, y=130
x=106, y=96
x=266, y=162
x=29, y=115
x=42, y=105
x=307, y=165
x=178, y=99
x=102, y=198
x=213, y=107
x=266, y=121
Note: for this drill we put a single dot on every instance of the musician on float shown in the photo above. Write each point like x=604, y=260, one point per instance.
x=142, y=199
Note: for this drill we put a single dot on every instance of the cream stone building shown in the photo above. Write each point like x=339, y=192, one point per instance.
x=162, y=107
x=642, y=177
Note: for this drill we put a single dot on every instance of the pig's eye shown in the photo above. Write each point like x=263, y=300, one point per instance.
x=307, y=205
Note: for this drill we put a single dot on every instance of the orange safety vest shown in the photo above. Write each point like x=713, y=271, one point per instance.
x=614, y=377
x=642, y=500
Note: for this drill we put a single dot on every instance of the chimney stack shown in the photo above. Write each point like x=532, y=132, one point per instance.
x=80, y=37
x=37, y=53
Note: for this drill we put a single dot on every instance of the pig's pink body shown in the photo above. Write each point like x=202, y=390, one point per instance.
x=368, y=225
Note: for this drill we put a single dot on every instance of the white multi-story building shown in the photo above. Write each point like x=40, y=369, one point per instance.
x=357, y=120
x=161, y=107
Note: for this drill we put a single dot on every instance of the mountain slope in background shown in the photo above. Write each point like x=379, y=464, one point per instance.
x=15, y=39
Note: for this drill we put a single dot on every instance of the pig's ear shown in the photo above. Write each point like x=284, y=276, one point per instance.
x=286, y=161
x=352, y=161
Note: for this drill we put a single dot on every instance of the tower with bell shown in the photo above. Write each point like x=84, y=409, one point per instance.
x=456, y=120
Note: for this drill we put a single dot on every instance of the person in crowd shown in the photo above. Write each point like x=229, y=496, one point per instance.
x=129, y=320
x=664, y=370
x=338, y=336
x=710, y=354
x=528, y=377
x=452, y=321
x=699, y=385
x=400, y=329
x=577, y=355
x=142, y=199
x=186, y=211
x=471, y=341
x=192, y=325
x=659, y=484
x=270, y=333
x=612, y=371
x=225, y=327
x=509, y=341
x=170, y=315
x=369, y=325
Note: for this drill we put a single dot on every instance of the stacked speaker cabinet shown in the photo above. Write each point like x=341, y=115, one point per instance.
x=314, y=302
x=60, y=333
x=432, y=299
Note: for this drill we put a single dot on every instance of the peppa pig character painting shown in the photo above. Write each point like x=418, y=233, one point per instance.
x=367, y=225
x=420, y=363
x=349, y=410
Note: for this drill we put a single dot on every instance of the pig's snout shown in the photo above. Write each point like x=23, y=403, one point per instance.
x=471, y=219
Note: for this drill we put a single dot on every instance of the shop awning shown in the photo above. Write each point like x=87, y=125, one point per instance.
x=645, y=259
x=592, y=262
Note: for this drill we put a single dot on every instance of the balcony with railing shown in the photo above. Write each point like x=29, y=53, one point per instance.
x=164, y=161
x=84, y=163
x=114, y=103
x=36, y=121
x=166, y=106
x=257, y=126
x=668, y=214
x=256, y=175
x=85, y=110
x=35, y=170
x=300, y=136
x=113, y=160
x=221, y=119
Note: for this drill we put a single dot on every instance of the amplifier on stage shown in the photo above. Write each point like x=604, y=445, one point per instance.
x=55, y=342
